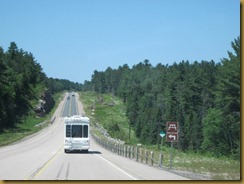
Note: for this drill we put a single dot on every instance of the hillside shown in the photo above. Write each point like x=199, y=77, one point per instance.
x=27, y=95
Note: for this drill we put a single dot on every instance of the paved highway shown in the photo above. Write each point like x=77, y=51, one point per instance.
x=41, y=157
x=70, y=107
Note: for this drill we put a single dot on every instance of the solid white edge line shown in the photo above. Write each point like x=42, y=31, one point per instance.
x=117, y=167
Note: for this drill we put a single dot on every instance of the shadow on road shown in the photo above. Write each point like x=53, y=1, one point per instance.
x=84, y=152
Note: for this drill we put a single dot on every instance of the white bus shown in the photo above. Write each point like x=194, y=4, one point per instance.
x=76, y=133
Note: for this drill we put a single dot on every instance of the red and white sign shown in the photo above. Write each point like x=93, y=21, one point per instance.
x=172, y=129
x=172, y=137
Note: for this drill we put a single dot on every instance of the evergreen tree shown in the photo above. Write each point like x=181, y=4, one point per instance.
x=200, y=96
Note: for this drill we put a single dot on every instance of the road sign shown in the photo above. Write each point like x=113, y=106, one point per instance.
x=162, y=134
x=172, y=127
x=172, y=137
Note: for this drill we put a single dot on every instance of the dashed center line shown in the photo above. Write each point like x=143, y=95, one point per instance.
x=44, y=167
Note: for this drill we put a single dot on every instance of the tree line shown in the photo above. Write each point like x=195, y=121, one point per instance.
x=21, y=82
x=57, y=85
x=204, y=97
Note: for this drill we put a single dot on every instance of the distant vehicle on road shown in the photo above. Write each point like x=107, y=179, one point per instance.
x=76, y=133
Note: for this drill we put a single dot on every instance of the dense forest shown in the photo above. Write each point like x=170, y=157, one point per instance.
x=22, y=80
x=204, y=97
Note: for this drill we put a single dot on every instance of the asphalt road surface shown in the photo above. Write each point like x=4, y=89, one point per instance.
x=41, y=156
x=70, y=107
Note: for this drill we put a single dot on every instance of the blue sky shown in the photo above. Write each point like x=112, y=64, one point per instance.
x=72, y=38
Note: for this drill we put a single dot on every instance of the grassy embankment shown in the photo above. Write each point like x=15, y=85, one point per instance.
x=109, y=112
x=27, y=126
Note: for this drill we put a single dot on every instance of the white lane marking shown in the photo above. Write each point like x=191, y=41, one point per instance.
x=116, y=167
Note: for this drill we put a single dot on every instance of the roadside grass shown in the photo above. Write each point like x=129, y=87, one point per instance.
x=109, y=112
x=222, y=168
x=28, y=125
x=23, y=129
x=207, y=167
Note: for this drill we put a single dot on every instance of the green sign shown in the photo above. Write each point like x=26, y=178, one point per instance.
x=162, y=134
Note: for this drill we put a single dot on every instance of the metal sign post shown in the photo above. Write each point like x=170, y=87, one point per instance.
x=162, y=134
x=172, y=129
x=171, y=155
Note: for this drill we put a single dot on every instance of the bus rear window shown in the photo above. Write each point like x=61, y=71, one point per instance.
x=68, y=130
x=77, y=131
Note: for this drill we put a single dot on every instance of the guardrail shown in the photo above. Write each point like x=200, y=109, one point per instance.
x=136, y=153
x=53, y=119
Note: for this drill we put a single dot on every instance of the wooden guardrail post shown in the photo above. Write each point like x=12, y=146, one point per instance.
x=141, y=151
x=128, y=151
x=125, y=151
x=137, y=153
x=146, y=156
x=160, y=160
x=152, y=158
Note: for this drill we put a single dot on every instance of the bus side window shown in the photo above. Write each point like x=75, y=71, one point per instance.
x=85, y=128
